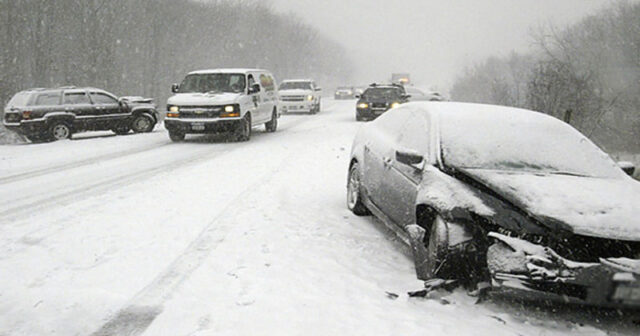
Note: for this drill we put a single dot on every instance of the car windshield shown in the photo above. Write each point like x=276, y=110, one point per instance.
x=520, y=141
x=382, y=93
x=216, y=82
x=295, y=85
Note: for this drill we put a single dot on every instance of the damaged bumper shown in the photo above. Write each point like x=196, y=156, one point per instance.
x=534, y=270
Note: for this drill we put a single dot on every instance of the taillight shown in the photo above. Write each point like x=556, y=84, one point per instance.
x=26, y=114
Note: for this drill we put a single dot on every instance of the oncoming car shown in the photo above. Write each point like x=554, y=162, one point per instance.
x=344, y=92
x=222, y=101
x=377, y=99
x=299, y=95
x=509, y=196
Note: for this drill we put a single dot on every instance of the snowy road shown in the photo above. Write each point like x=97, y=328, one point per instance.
x=136, y=235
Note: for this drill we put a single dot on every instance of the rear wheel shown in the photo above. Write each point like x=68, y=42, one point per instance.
x=354, y=194
x=272, y=125
x=59, y=130
x=142, y=124
x=176, y=137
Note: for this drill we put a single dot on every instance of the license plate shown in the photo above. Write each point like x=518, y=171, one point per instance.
x=197, y=127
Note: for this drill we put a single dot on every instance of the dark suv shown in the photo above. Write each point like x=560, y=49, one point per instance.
x=55, y=114
x=377, y=99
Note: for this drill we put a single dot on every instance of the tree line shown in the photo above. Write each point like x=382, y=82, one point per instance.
x=587, y=74
x=140, y=47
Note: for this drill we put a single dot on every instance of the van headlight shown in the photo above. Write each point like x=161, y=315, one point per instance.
x=230, y=111
x=173, y=108
x=229, y=108
x=309, y=97
x=395, y=104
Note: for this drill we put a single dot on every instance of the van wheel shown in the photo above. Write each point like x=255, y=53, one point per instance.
x=272, y=125
x=243, y=132
x=59, y=130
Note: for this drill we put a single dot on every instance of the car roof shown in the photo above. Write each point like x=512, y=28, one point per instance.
x=296, y=80
x=225, y=70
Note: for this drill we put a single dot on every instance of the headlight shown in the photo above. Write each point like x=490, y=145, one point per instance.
x=174, y=109
x=394, y=105
x=230, y=111
x=229, y=108
x=363, y=105
x=309, y=97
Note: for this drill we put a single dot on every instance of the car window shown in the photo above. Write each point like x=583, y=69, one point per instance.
x=267, y=82
x=213, y=82
x=20, y=99
x=382, y=93
x=101, y=98
x=76, y=98
x=415, y=134
x=47, y=98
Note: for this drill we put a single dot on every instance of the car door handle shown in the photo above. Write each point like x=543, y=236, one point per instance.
x=387, y=161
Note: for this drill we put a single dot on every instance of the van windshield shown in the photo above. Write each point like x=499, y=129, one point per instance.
x=216, y=82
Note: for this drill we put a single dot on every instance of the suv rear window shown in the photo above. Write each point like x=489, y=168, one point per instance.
x=47, y=98
x=20, y=99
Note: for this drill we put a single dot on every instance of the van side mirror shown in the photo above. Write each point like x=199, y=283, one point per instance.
x=255, y=88
x=409, y=157
x=357, y=96
x=175, y=87
x=628, y=167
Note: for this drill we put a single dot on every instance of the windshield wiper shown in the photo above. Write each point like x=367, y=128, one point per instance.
x=567, y=173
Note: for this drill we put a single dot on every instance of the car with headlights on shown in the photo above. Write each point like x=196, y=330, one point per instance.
x=344, y=92
x=299, y=95
x=46, y=114
x=379, y=98
x=501, y=195
x=230, y=101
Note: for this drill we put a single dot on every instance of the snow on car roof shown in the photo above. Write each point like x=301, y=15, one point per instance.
x=296, y=80
x=227, y=70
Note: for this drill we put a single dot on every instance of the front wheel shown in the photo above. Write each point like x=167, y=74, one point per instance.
x=142, y=124
x=272, y=125
x=243, y=132
x=176, y=137
x=354, y=194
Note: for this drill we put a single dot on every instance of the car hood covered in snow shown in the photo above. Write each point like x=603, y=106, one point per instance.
x=598, y=207
x=203, y=99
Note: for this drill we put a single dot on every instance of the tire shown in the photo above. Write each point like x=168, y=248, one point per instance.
x=142, y=124
x=121, y=130
x=176, y=137
x=354, y=194
x=272, y=125
x=243, y=132
x=59, y=130
x=436, y=246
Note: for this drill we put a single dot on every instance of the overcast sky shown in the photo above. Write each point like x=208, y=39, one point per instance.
x=431, y=39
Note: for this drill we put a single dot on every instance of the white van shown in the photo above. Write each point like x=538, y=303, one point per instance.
x=222, y=101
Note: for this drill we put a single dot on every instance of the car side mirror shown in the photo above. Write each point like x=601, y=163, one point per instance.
x=357, y=96
x=409, y=157
x=175, y=87
x=628, y=167
x=255, y=88
x=407, y=96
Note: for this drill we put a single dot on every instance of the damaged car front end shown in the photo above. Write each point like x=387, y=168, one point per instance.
x=527, y=268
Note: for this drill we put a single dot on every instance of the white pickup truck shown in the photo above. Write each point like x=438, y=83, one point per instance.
x=299, y=95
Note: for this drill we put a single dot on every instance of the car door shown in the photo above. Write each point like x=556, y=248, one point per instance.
x=268, y=95
x=109, y=112
x=77, y=102
x=400, y=180
x=378, y=150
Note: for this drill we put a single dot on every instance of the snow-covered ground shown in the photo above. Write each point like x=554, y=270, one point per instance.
x=134, y=235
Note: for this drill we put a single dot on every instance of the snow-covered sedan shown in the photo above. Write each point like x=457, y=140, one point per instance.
x=506, y=195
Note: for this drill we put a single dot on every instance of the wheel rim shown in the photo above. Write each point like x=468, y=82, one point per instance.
x=353, y=192
x=60, y=132
x=142, y=123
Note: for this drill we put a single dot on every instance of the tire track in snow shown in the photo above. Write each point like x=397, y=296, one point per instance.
x=76, y=164
x=145, y=306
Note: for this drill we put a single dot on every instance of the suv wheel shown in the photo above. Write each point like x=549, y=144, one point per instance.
x=59, y=130
x=142, y=124
x=243, y=132
x=272, y=125
x=176, y=137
